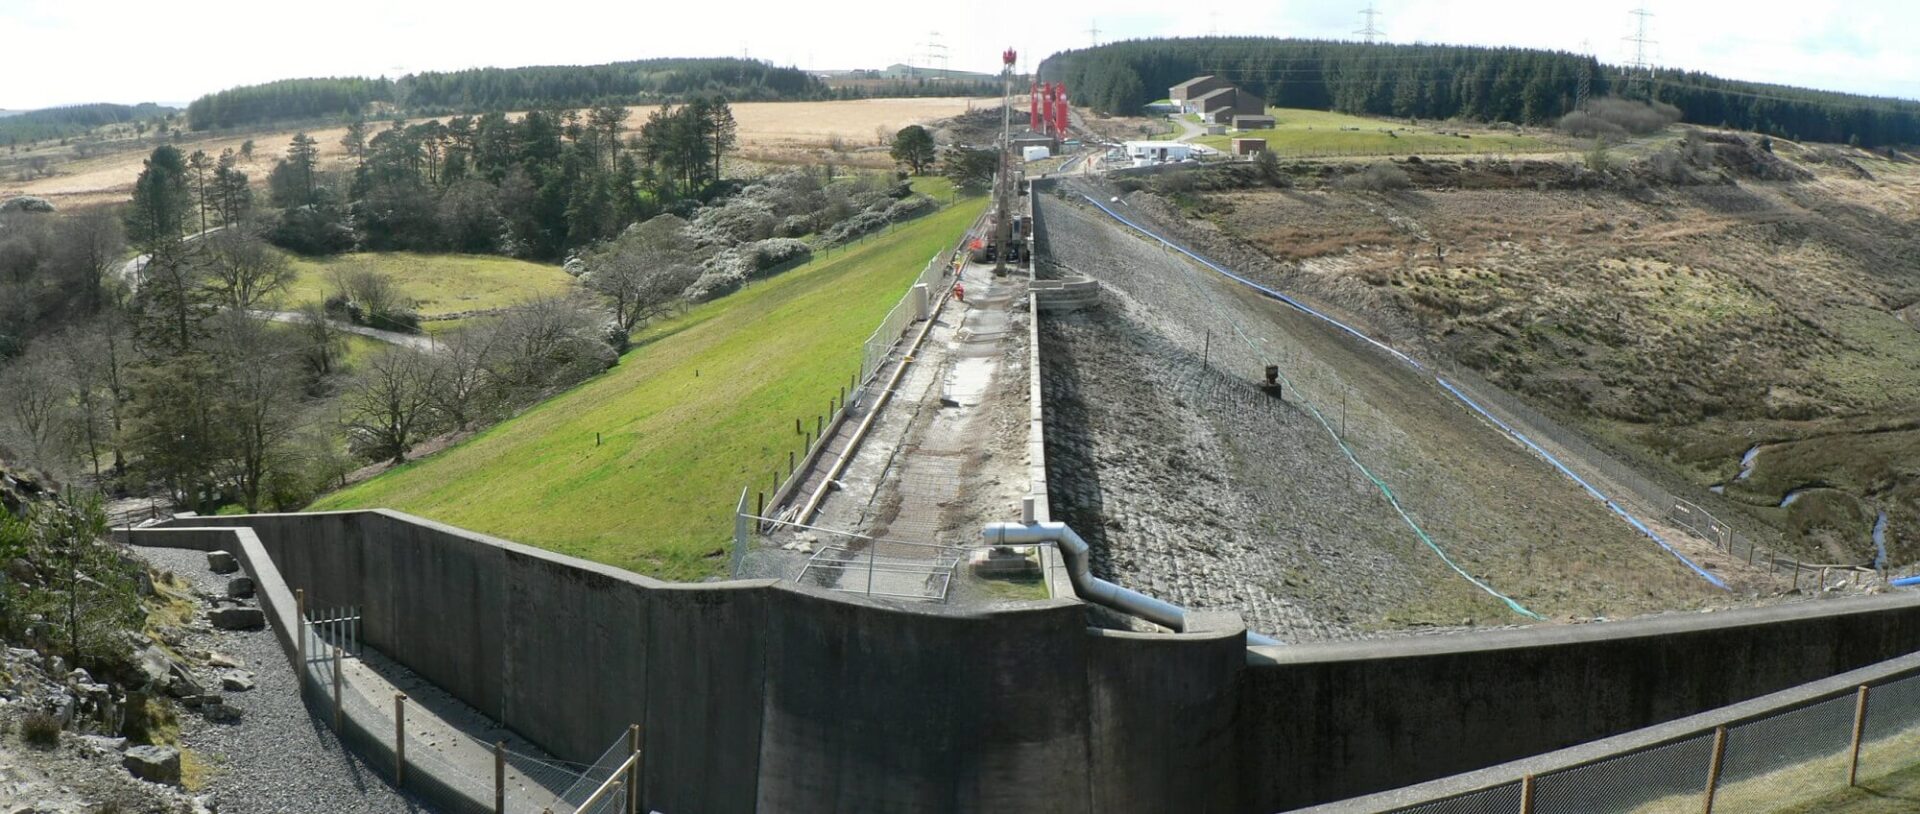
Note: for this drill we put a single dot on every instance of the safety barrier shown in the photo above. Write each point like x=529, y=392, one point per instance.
x=1786, y=752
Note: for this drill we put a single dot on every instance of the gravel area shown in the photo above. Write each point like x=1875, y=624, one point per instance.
x=1203, y=494
x=279, y=759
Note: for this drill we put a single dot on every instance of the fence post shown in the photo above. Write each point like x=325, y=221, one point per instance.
x=336, y=688
x=1526, y=795
x=1859, y=729
x=499, y=777
x=400, y=739
x=1713, y=768
x=633, y=771
x=300, y=610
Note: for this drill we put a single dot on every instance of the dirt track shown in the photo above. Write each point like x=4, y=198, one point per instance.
x=1291, y=535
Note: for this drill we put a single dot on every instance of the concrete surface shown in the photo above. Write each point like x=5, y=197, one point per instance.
x=764, y=695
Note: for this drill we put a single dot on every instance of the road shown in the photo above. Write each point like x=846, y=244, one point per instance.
x=418, y=342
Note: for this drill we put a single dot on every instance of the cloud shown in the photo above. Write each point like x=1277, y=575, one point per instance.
x=136, y=50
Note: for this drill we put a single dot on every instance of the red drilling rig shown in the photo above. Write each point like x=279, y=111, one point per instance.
x=1047, y=109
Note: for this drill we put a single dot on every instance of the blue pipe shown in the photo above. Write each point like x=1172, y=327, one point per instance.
x=1905, y=582
x=1596, y=493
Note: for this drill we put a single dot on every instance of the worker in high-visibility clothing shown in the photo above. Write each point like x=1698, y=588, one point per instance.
x=960, y=292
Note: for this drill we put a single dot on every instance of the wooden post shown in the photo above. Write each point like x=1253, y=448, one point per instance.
x=499, y=777
x=820, y=425
x=1526, y=795
x=1859, y=729
x=300, y=610
x=336, y=688
x=759, y=505
x=400, y=739
x=789, y=462
x=796, y=426
x=1713, y=768
x=633, y=772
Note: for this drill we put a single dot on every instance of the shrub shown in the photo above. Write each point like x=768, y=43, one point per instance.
x=306, y=230
x=907, y=209
x=40, y=729
x=1381, y=176
x=1616, y=117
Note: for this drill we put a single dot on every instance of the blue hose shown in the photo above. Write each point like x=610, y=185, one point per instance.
x=1905, y=582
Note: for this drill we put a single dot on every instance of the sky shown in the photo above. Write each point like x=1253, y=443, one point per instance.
x=139, y=50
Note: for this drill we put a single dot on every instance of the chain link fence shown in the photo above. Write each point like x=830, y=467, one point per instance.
x=1792, y=758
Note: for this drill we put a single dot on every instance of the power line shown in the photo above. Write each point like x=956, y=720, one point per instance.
x=1640, y=41
x=1093, y=32
x=1371, y=32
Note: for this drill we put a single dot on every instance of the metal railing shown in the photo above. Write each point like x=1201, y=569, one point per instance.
x=447, y=767
x=1784, y=759
x=1731, y=542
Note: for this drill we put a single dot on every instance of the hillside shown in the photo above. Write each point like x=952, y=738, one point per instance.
x=640, y=467
x=1739, y=321
x=648, y=81
x=1520, y=85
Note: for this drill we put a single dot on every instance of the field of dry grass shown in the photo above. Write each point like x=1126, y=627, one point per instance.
x=771, y=132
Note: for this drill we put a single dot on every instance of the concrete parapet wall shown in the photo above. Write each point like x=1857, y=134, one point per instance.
x=768, y=696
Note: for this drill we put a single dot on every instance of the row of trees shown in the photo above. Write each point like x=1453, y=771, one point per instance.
x=538, y=186
x=1444, y=81
x=64, y=122
x=503, y=89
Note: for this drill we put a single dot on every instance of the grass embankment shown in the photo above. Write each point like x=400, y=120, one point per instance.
x=703, y=406
x=1319, y=133
x=439, y=284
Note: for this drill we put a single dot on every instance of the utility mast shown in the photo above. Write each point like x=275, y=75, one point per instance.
x=1586, y=76
x=1641, y=67
x=1093, y=33
x=1371, y=31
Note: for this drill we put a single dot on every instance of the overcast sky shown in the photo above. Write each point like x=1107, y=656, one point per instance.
x=73, y=51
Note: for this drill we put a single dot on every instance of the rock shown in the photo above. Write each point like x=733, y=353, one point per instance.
x=155, y=764
x=79, y=676
x=240, y=587
x=218, y=659
x=180, y=683
x=219, y=712
x=236, y=681
x=153, y=664
x=237, y=618
x=103, y=745
x=145, y=583
x=221, y=562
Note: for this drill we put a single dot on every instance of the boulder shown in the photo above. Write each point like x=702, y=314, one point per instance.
x=240, y=587
x=218, y=659
x=237, y=618
x=221, y=562
x=236, y=681
x=155, y=764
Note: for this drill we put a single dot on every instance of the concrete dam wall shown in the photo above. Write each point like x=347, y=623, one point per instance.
x=759, y=695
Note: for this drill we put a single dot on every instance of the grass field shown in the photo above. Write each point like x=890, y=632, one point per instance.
x=702, y=407
x=1318, y=132
x=439, y=283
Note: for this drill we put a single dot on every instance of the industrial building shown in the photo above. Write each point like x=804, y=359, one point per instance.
x=1218, y=101
x=1145, y=153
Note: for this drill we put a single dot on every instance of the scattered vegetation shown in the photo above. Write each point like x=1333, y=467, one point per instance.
x=1615, y=118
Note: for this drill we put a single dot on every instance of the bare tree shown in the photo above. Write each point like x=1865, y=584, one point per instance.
x=244, y=270
x=389, y=405
x=33, y=412
x=90, y=359
x=321, y=341
x=88, y=251
x=460, y=373
x=641, y=274
x=546, y=342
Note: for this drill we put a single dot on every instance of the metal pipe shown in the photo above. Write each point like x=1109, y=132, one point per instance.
x=1094, y=589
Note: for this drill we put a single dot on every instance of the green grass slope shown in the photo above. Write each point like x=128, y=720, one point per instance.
x=703, y=406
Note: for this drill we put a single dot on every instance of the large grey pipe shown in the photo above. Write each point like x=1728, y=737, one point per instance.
x=1094, y=589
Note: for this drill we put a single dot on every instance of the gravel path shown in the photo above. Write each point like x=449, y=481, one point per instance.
x=278, y=759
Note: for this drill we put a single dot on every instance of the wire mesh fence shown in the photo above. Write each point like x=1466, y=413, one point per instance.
x=1794, y=758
